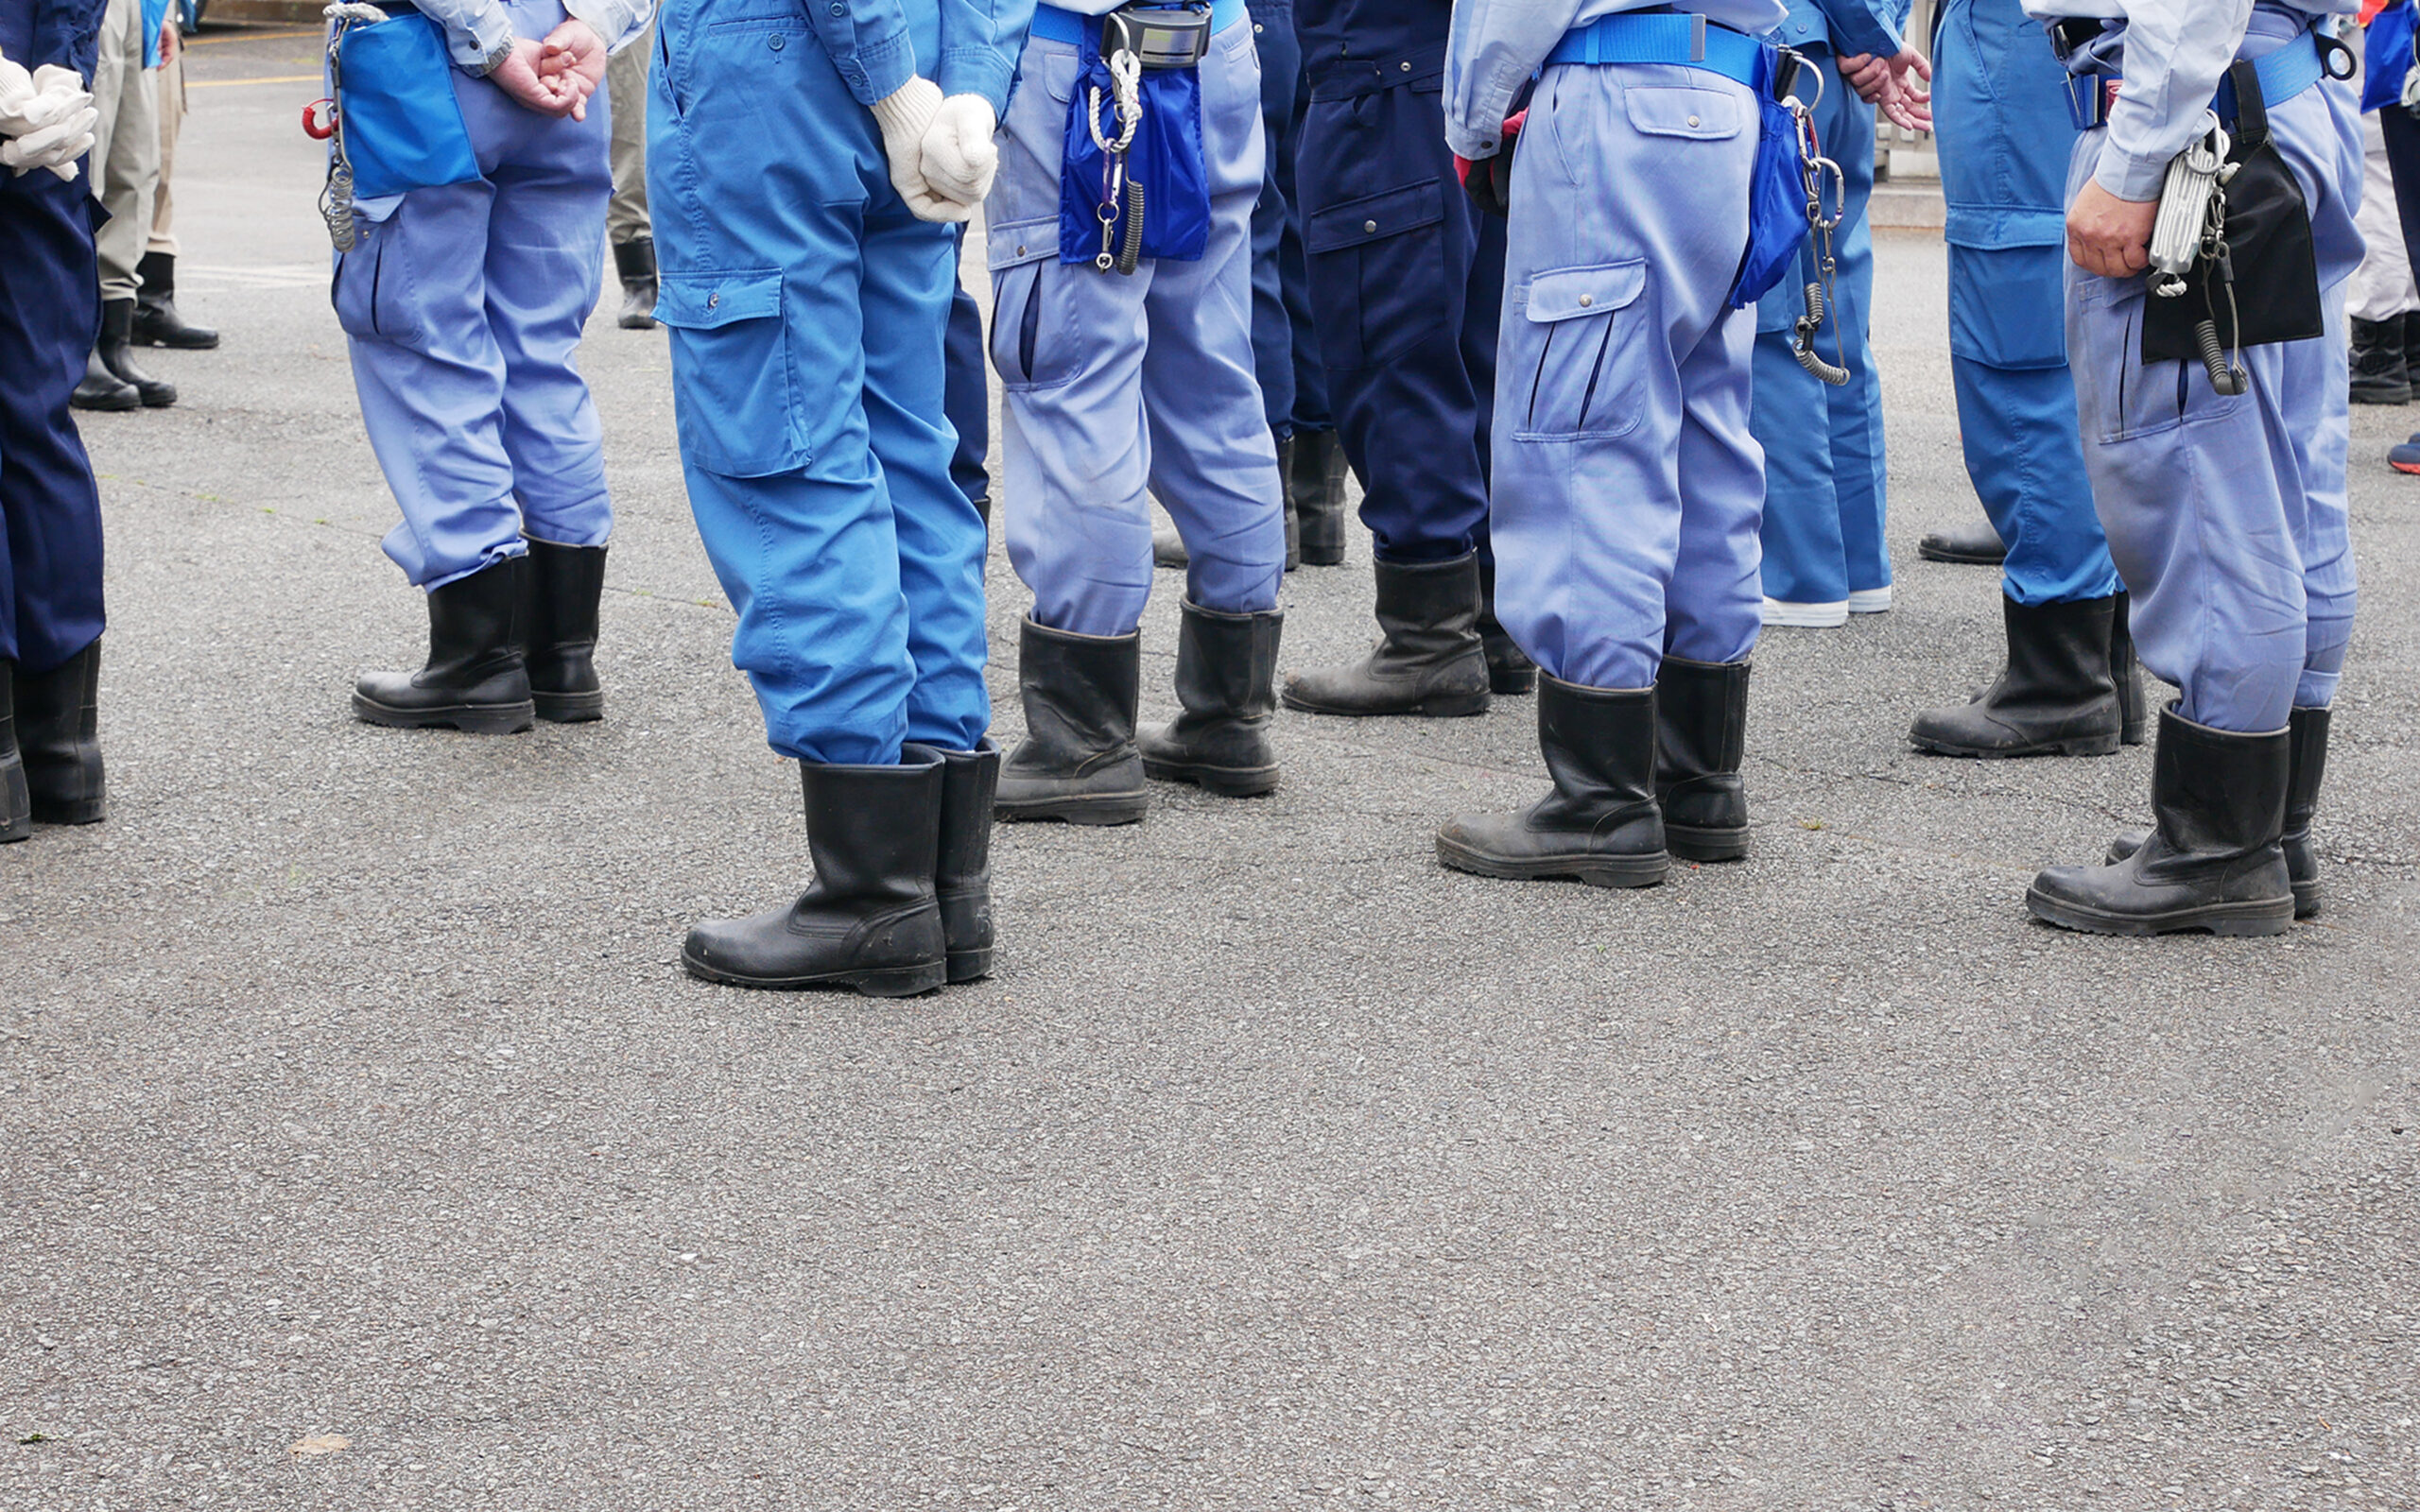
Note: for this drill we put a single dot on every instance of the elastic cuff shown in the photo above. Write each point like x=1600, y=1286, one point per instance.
x=984, y=71
x=910, y=107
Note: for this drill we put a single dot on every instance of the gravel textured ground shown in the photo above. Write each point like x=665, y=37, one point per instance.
x=362, y=1145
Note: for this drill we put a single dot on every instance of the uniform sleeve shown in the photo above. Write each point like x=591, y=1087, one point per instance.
x=1494, y=48
x=474, y=28
x=981, y=42
x=2176, y=51
x=869, y=43
x=1865, y=25
x=619, y=22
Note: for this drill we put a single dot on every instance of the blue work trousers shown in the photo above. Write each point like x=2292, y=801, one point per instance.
x=808, y=312
x=2001, y=125
x=1627, y=482
x=462, y=306
x=1407, y=287
x=2226, y=515
x=1824, y=493
x=50, y=511
x=1279, y=304
x=1119, y=384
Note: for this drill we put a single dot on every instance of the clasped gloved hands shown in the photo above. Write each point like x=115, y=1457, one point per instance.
x=940, y=148
x=46, y=118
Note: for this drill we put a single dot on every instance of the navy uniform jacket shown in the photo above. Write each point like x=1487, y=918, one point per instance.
x=34, y=32
x=1372, y=30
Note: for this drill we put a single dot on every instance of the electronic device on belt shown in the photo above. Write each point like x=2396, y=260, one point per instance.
x=1158, y=36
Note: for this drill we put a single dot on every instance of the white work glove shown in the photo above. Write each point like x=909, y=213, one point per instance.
x=905, y=114
x=959, y=155
x=17, y=91
x=51, y=127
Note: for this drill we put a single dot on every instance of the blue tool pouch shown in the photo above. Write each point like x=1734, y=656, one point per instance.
x=1167, y=181
x=398, y=124
x=1777, y=224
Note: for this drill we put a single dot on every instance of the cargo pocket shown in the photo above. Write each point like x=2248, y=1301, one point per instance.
x=1032, y=322
x=1380, y=291
x=735, y=394
x=1575, y=349
x=367, y=287
x=2119, y=397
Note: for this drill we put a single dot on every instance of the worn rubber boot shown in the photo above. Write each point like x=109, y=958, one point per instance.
x=16, y=805
x=116, y=350
x=476, y=680
x=1600, y=824
x=1077, y=760
x=1700, y=739
x=634, y=264
x=962, y=875
x=1167, y=547
x=2054, y=695
x=1510, y=671
x=58, y=740
x=156, y=320
x=2213, y=859
x=1428, y=659
x=871, y=919
x=2306, y=764
x=562, y=588
x=1973, y=545
x=1226, y=678
x=2134, y=709
x=2382, y=375
x=103, y=389
x=1315, y=474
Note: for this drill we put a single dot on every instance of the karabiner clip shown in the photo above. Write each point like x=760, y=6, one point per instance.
x=319, y=120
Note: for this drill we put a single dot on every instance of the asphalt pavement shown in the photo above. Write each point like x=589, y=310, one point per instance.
x=362, y=1145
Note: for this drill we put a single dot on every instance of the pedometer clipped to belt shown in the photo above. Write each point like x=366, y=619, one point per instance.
x=1139, y=100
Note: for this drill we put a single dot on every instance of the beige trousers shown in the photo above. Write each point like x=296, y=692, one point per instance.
x=626, y=217
x=172, y=120
x=126, y=145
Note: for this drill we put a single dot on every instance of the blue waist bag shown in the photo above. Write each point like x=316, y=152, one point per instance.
x=399, y=126
x=1776, y=192
x=1166, y=159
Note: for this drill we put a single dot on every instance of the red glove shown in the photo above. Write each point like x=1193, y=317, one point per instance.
x=1489, y=180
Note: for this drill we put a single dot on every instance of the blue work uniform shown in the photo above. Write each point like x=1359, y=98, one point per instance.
x=1825, y=492
x=462, y=305
x=1116, y=384
x=966, y=396
x=1627, y=484
x=51, y=309
x=1406, y=275
x=2225, y=515
x=1280, y=301
x=2002, y=125
x=809, y=311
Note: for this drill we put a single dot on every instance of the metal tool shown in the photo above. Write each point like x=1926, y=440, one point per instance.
x=1815, y=170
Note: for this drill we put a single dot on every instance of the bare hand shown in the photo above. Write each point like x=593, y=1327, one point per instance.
x=1869, y=75
x=572, y=61
x=168, y=38
x=2108, y=235
x=517, y=76
x=1909, y=100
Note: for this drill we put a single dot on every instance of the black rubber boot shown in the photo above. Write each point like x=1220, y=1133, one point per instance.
x=1510, y=671
x=1077, y=760
x=635, y=263
x=962, y=875
x=2054, y=696
x=1226, y=678
x=476, y=680
x=117, y=354
x=1600, y=824
x=1428, y=660
x=1700, y=739
x=562, y=587
x=1167, y=547
x=103, y=389
x=2382, y=375
x=16, y=805
x=58, y=739
x=1973, y=545
x=2306, y=764
x=1293, y=512
x=2134, y=710
x=156, y=320
x=2212, y=860
x=1315, y=474
x=871, y=919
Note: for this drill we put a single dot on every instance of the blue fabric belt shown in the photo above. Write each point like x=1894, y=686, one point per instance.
x=2284, y=74
x=1663, y=37
x=1051, y=24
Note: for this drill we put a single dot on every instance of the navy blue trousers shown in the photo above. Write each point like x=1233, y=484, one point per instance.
x=50, y=310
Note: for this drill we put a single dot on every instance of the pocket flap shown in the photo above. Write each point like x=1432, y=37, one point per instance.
x=1571, y=292
x=1373, y=217
x=700, y=301
x=1702, y=115
x=1020, y=242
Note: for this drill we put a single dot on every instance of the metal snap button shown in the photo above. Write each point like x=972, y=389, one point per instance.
x=713, y=301
x=1693, y=120
x=1587, y=300
x=1406, y=67
x=1020, y=248
x=774, y=42
x=1369, y=225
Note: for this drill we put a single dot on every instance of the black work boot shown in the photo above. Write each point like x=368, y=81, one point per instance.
x=562, y=588
x=103, y=389
x=58, y=739
x=476, y=680
x=1226, y=678
x=1600, y=824
x=156, y=320
x=2054, y=696
x=116, y=350
x=1293, y=513
x=1077, y=760
x=635, y=263
x=1315, y=472
x=1510, y=671
x=1167, y=547
x=1428, y=660
x=2212, y=859
x=1973, y=545
x=871, y=919
x=2306, y=764
x=2134, y=710
x=962, y=875
x=1700, y=739
x=2382, y=375
x=16, y=806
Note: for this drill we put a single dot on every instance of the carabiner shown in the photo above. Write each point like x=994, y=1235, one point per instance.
x=319, y=120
